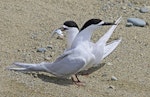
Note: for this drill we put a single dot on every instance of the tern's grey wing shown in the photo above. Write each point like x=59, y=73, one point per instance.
x=110, y=47
x=66, y=53
x=66, y=66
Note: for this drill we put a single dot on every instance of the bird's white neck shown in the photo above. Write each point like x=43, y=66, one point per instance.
x=84, y=35
x=71, y=34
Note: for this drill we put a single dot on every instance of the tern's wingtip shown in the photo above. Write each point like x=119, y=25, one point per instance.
x=118, y=20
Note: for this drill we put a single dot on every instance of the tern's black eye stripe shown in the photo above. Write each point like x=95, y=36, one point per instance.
x=90, y=22
x=71, y=24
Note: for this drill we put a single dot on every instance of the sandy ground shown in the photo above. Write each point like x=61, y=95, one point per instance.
x=25, y=26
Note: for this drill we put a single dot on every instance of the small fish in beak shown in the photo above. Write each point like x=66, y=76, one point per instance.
x=58, y=32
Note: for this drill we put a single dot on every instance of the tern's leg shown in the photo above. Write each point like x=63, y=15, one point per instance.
x=76, y=80
x=110, y=47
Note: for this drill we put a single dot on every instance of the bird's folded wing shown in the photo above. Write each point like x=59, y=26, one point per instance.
x=66, y=66
x=66, y=53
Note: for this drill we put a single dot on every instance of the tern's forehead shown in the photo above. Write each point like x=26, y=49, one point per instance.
x=71, y=24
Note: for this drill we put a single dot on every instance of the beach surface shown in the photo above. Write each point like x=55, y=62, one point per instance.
x=26, y=25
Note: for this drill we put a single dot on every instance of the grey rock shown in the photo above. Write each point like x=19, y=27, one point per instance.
x=42, y=50
x=144, y=10
x=136, y=22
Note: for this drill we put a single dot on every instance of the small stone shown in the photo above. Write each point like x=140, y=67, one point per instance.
x=109, y=64
x=147, y=23
x=130, y=4
x=18, y=50
x=137, y=22
x=129, y=24
x=112, y=87
x=50, y=46
x=47, y=58
x=60, y=37
x=42, y=50
x=104, y=75
x=137, y=8
x=33, y=36
x=113, y=78
x=123, y=7
x=144, y=10
x=104, y=8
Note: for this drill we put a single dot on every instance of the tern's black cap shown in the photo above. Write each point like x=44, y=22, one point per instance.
x=71, y=24
x=90, y=22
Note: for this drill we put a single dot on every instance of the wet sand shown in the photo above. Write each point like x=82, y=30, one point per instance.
x=26, y=25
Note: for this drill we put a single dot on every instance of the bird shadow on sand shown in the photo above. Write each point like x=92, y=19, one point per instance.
x=63, y=81
x=56, y=80
x=52, y=79
x=91, y=70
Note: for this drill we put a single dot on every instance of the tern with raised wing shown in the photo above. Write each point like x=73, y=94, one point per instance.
x=78, y=57
x=101, y=48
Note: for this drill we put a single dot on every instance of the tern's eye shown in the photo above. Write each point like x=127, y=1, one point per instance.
x=65, y=29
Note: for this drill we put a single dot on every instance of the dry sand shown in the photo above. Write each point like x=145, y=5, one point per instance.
x=25, y=26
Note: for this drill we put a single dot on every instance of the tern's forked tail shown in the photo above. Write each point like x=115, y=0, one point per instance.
x=17, y=66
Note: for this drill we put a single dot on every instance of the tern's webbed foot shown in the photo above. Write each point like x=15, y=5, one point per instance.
x=76, y=81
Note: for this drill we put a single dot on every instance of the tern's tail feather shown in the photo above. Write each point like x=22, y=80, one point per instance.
x=28, y=67
x=108, y=34
x=110, y=47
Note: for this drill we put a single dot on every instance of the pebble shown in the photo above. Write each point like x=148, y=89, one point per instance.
x=137, y=8
x=112, y=87
x=113, y=78
x=129, y=24
x=42, y=50
x=60, y=37
x=109, y=63
x=137, y=22
x=144, y=10
x=104, y=75
x=33, y=35
x=130, y=4
x=50, y=46
x=123, y=7
x=47, y=58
